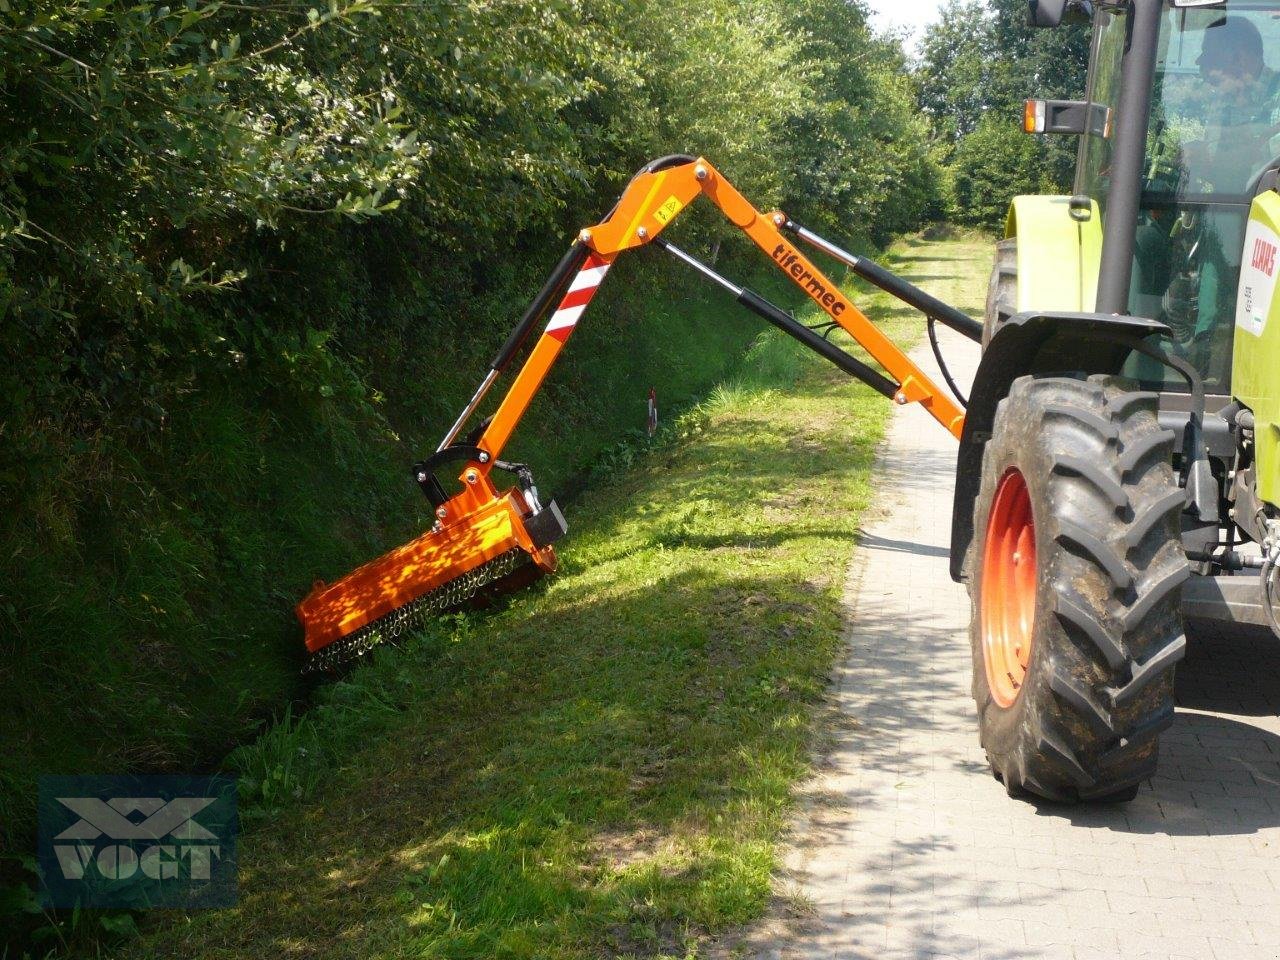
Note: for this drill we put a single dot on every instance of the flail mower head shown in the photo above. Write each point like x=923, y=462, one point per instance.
x=485, y=542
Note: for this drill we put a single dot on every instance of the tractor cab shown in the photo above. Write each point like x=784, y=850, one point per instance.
x=1212, y=137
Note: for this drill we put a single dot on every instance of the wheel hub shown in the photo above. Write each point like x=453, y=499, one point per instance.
x=1008, y=606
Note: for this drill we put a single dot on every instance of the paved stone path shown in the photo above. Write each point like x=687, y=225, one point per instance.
x=909, y=848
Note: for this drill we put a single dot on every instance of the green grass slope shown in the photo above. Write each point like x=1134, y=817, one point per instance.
x=146, y=620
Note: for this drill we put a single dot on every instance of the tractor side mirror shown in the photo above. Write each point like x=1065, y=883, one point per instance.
x=1053, y=13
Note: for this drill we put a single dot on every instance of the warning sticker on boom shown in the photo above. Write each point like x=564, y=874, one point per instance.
x=670, y=207
x=1257, y=277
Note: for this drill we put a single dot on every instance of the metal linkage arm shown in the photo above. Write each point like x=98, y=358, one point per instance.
x=651, y=201
x=654, y=199
x=908, y=293
x=572, y=261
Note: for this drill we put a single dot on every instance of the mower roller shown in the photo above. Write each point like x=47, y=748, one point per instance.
x=486, y=539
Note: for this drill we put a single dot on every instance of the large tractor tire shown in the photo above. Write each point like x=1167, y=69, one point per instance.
x=1075, y=579
x=1002, y=289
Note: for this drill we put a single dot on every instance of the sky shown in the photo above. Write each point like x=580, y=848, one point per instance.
x=912, y=15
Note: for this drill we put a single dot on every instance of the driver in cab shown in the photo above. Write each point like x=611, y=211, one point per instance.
x=1181, y=263
x=1243, y=115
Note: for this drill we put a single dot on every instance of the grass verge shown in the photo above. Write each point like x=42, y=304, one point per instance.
x=604, y=766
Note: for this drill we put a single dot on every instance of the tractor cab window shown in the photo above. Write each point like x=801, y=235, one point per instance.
x=1094, y=170
x=1214, y=129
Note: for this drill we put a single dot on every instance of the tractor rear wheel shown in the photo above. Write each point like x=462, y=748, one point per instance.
x=1075, y=580
x=1002, y=288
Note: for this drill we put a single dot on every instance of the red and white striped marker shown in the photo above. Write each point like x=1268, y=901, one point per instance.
x=580, y=292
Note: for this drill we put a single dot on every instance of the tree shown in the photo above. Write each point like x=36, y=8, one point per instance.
x=955, y=69
x=978, y=65
x=991, y=166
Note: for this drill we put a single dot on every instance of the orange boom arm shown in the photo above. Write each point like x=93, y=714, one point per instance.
x=484, y=537
x=649, y=204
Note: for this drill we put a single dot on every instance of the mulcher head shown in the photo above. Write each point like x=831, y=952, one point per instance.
x=484, y=543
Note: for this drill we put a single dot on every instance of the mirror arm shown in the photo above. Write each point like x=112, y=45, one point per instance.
x=1048, y=14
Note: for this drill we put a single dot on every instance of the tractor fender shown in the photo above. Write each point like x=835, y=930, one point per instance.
x=1058, y=255
x=1063, y=344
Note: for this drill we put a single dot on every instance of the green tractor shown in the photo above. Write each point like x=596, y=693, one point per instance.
x=1120, y=465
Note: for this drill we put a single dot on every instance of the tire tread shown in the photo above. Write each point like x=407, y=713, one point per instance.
x=1091, y=722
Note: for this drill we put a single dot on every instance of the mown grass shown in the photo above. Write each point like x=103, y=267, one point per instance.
x=604, y=766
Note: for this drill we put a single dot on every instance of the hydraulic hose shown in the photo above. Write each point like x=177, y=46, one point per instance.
x=931, y=329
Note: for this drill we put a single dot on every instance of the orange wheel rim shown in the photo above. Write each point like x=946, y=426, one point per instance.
x=1008, y=606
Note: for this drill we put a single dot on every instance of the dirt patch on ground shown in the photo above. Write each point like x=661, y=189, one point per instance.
x=620, y=849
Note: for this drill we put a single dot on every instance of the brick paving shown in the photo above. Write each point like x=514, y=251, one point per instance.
x=909, y=848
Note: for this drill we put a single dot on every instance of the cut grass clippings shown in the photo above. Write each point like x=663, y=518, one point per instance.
x=604, y=766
